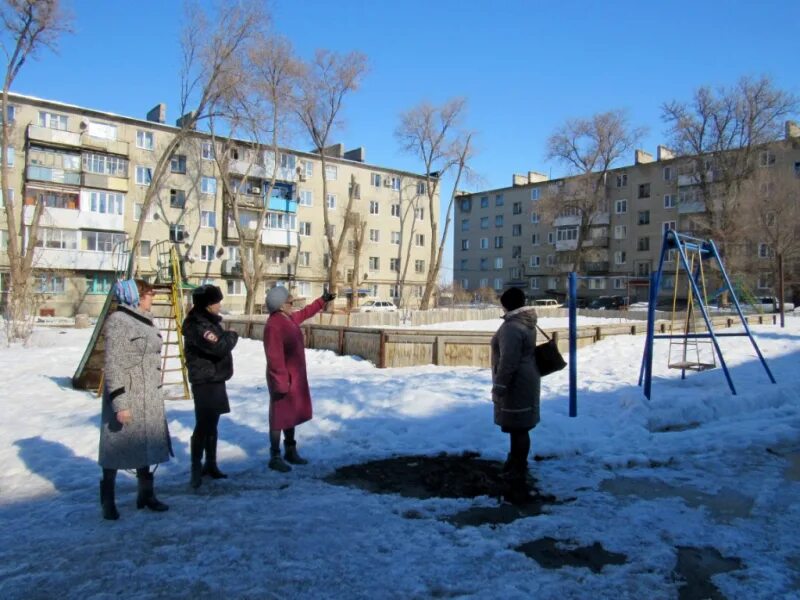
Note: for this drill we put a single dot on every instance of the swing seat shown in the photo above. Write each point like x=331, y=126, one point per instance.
x=691, y=366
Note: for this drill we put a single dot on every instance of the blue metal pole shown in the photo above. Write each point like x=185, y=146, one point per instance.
x=573, y=344
x=651, y=324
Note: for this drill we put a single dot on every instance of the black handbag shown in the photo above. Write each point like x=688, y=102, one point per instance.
x=548, y=358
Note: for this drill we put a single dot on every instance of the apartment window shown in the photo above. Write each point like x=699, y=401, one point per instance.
x=395, y=238
x=50, y=284
x=670, y=201
x=765, y=281
x=535, y=262
x=11, y=113
x=374, y=263
x=535, y=218
x=484, y=243
x=288, y=161
x=308, y=169
x=396, y=210
x=498, y=262
x=768, y=217
x=498, y=200
x=465, y=283
x=420, y=214
x=465, y=244
x=484, y=222
x=643, y=269
x=766, y=158
x=466, y=205
x=644, y=190
x=331, y=231
x=552, y=283
x=484, y=282
x=177, y=198
x=667, y=173
x=208, y=218
x=484, y=264
x=137, y=213
x=551, y=260
x=464, y=224
x=618, y=283
x=516, y=208
x=52, y=120
x=374, y=207
x=105, y=131
x=99, y=283
x=498, y=241
x=331, y=173
x=534, y=283
x=144, y=248
x=281, y=220
x=643, y=244
x=567, y=234
x=177, y=164
x=304, y=258
x=106, y=203
x=101, y=241
x=516, y=230
x=669, y=225
x=394, y=265
x=276, y=257
x=462, y=264
x=797, y=169
x=207, y=151
x=144, y=175
x=498, y=220
x=621, y=207
x=516, y=251
x=208, y=185
x=395, y=183
x=306, y=198
x=620, y=257
x=484, y=201
x=764, y=251
x=105, y=165
x=596, y=283
x=207, y=253
x=551, y=238
x=535, y=194
x=235, y=287
x=644, y=217
x=670, y=256
x=419, y=266
x=331, y=202
x=176, y=233
x=498, y=284
x=622, y=180
x=374, y=235
x=305, y=228
x=10, y=156
x=536, y=239
x=57, y=239
x=144, y=140
x=422, y=188
x=375, y=179
x=419, y=239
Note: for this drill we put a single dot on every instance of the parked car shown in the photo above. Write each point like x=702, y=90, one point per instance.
x=377, y=306
x=772, y=304
x=546, y=303
x=608, y=303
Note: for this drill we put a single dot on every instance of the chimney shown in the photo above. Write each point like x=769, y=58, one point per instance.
x=358, y=154
x=334, y=150
x=187, y=118
x=517, y=180
x=535, y=177
x=665, y=153
x=792, y=129
x=158, y=114
x=643, y=157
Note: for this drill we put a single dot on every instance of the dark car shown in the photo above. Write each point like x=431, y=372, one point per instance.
x=608, y=303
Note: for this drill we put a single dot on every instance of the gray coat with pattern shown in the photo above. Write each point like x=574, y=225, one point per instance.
x=133, y=382
x=515, y=377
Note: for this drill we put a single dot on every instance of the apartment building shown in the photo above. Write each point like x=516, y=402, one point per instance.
x=503, y=237
x=90, y=171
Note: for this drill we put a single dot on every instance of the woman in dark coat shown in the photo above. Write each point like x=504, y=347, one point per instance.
x=134, y=433
x=516, y=380
x=290, y=397
x=207, y=347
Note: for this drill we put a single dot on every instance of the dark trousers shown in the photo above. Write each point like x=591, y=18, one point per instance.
x=206, y=420
x=520, y=447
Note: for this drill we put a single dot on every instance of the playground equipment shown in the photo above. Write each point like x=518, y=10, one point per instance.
x=691, y=254
x=168, y=317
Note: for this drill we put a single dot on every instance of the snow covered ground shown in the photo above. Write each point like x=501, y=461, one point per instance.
x=695, y=466
x=544, y=323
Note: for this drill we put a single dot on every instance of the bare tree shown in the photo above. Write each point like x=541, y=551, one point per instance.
x=431, y=133
x=721, y=134
x=589, y=148
x=213, y=52
x=328, y=78
x=408, y=211
x=28, y=26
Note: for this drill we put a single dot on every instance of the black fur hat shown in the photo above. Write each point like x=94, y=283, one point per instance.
x=512, y=299
x=206, y=295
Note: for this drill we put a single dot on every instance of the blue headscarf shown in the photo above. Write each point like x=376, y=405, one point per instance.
x=126, y=292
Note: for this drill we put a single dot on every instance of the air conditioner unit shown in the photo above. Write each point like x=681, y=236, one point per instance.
x=387, y=182
x=255, y=190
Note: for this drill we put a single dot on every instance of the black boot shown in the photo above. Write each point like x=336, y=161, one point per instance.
x=276, y=463
x=197, y=460
x=110, y=511
x=147, y=496
x=291, y=455
x=210, y=468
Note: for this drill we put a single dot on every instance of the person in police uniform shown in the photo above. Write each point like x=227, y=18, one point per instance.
x=208, y=348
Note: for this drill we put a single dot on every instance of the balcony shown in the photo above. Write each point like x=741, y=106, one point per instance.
x=566, y=267
x=282, y=204
x=685, y=208
x=597, y=268
x=567, y=221
x=104, y=145
x=694, y=178
x=37, y=173
x=48, y=136
x=67, y=218
x=104, y=182
x=54, y=258
x=247, y=169
x=600, y=241
x=231, y=267
x=279, y=237
x=566, y=245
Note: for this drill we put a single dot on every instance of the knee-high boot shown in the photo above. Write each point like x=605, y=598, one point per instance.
x=107, y=493
x=211, y=468
x=197, y=446
x=147, y=496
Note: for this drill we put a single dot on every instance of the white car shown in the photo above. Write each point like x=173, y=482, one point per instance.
x=547, y=303
x=377, y=306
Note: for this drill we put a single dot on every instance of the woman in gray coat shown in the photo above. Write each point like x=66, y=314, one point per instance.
x=516, y=380
x=133, y=432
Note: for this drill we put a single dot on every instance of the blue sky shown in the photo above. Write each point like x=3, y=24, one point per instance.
x=524, y=67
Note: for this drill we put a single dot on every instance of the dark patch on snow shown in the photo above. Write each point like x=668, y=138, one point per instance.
x=695, y=568
x=674, y=427
x=447, y=476
x=551, y=554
